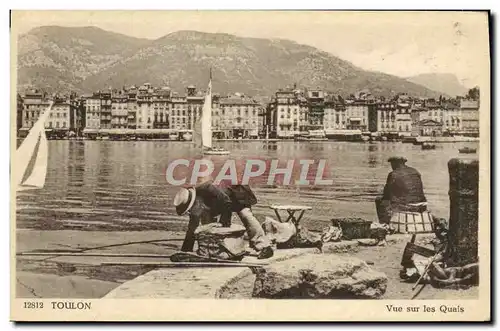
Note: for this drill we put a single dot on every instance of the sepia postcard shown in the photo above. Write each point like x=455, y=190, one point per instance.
x=222, y=165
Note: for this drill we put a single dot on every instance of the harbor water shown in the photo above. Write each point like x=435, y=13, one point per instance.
x=121, y=185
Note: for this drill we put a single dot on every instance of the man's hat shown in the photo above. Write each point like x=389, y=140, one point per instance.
x=397, y=159
x=184, y=200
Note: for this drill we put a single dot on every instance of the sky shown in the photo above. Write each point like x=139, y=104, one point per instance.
x=398, y=43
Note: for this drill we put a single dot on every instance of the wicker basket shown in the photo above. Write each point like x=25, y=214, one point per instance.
x=354, y=228
x=219, y=242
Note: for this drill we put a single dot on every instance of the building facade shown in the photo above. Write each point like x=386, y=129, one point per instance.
x=236, y=116
x=386, y=117
x=470, y=117
x=286, y=114
x=106, y=107
x=35, y=103
x=60, y=117
x=92, y=106
x=335, y=117
x=132, y=108
x=451, y=118
x=119, y=110
x=357, y=115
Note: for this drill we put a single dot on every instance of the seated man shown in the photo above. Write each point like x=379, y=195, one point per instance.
x=403, y=191
x=206, y=201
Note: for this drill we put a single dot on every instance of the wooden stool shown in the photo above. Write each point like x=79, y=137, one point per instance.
x=291, y=210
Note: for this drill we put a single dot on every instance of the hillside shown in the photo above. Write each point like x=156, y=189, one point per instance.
x=88, y=59
x=59, y=58
x=447, y=84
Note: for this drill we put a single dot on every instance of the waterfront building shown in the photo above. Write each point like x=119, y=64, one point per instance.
x=470, y=117
x=427, y=127
x=334, y=114
x=434, y=110
x=236, y=116
x=286, y=113
x=403, y=115
x=35, y=102
x=145, y=114
x=92, y=105
x=356, y=114
x=60, y=117
x=451, y=118
x=106, y=107
x=316, y=103
x=194, y=104
x=179, y=118
x=161, y=107
x=386, y=118
x=132, y=108
x=119, y=110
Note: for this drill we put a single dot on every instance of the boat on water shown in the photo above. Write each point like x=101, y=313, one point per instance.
x=34, y=147
x=467, y=150
x=428, y=146
x=202, y=133
x=187, y=136
x=310, y=137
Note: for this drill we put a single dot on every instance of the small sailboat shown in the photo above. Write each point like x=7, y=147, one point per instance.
x=467, y=150
x=202, y=133
x=35, y=147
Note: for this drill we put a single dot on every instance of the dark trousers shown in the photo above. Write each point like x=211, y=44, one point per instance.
x=384, y=210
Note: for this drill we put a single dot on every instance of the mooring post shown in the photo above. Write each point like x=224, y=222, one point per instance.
x=463, y=221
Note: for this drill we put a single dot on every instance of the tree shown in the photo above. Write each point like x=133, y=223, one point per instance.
x=473, y=93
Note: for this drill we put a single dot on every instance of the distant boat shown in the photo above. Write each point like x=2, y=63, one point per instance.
x=173, y=136
x=467, y=150
x=202, y=133
x=428, y=146
x=35, y=147
x=311, y=135
x=187, y=136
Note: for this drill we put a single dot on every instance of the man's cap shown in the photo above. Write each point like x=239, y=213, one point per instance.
x=397, y=159
x=184, y=200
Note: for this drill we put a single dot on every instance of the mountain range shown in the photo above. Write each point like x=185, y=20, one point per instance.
x=447, y=84
x=88, y=59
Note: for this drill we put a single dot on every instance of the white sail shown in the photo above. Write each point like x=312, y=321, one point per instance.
x=39, y=172
x=197, y=138
x=206, y=119
x=26, y=151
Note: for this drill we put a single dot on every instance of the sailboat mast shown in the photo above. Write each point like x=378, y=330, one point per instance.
x=206, y=121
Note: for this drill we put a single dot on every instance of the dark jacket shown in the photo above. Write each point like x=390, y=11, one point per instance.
x=404, y=186
x=211, y=202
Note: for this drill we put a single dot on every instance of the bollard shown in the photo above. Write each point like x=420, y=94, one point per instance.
x=463, y=222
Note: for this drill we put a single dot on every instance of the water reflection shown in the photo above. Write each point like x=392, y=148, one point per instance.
x=121, y=184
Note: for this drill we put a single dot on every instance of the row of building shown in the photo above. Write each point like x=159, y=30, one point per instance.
x=290, y=112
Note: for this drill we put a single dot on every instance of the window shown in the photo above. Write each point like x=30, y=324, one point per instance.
x=57, y=124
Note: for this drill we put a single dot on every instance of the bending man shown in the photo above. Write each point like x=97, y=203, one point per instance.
x=206, y=201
